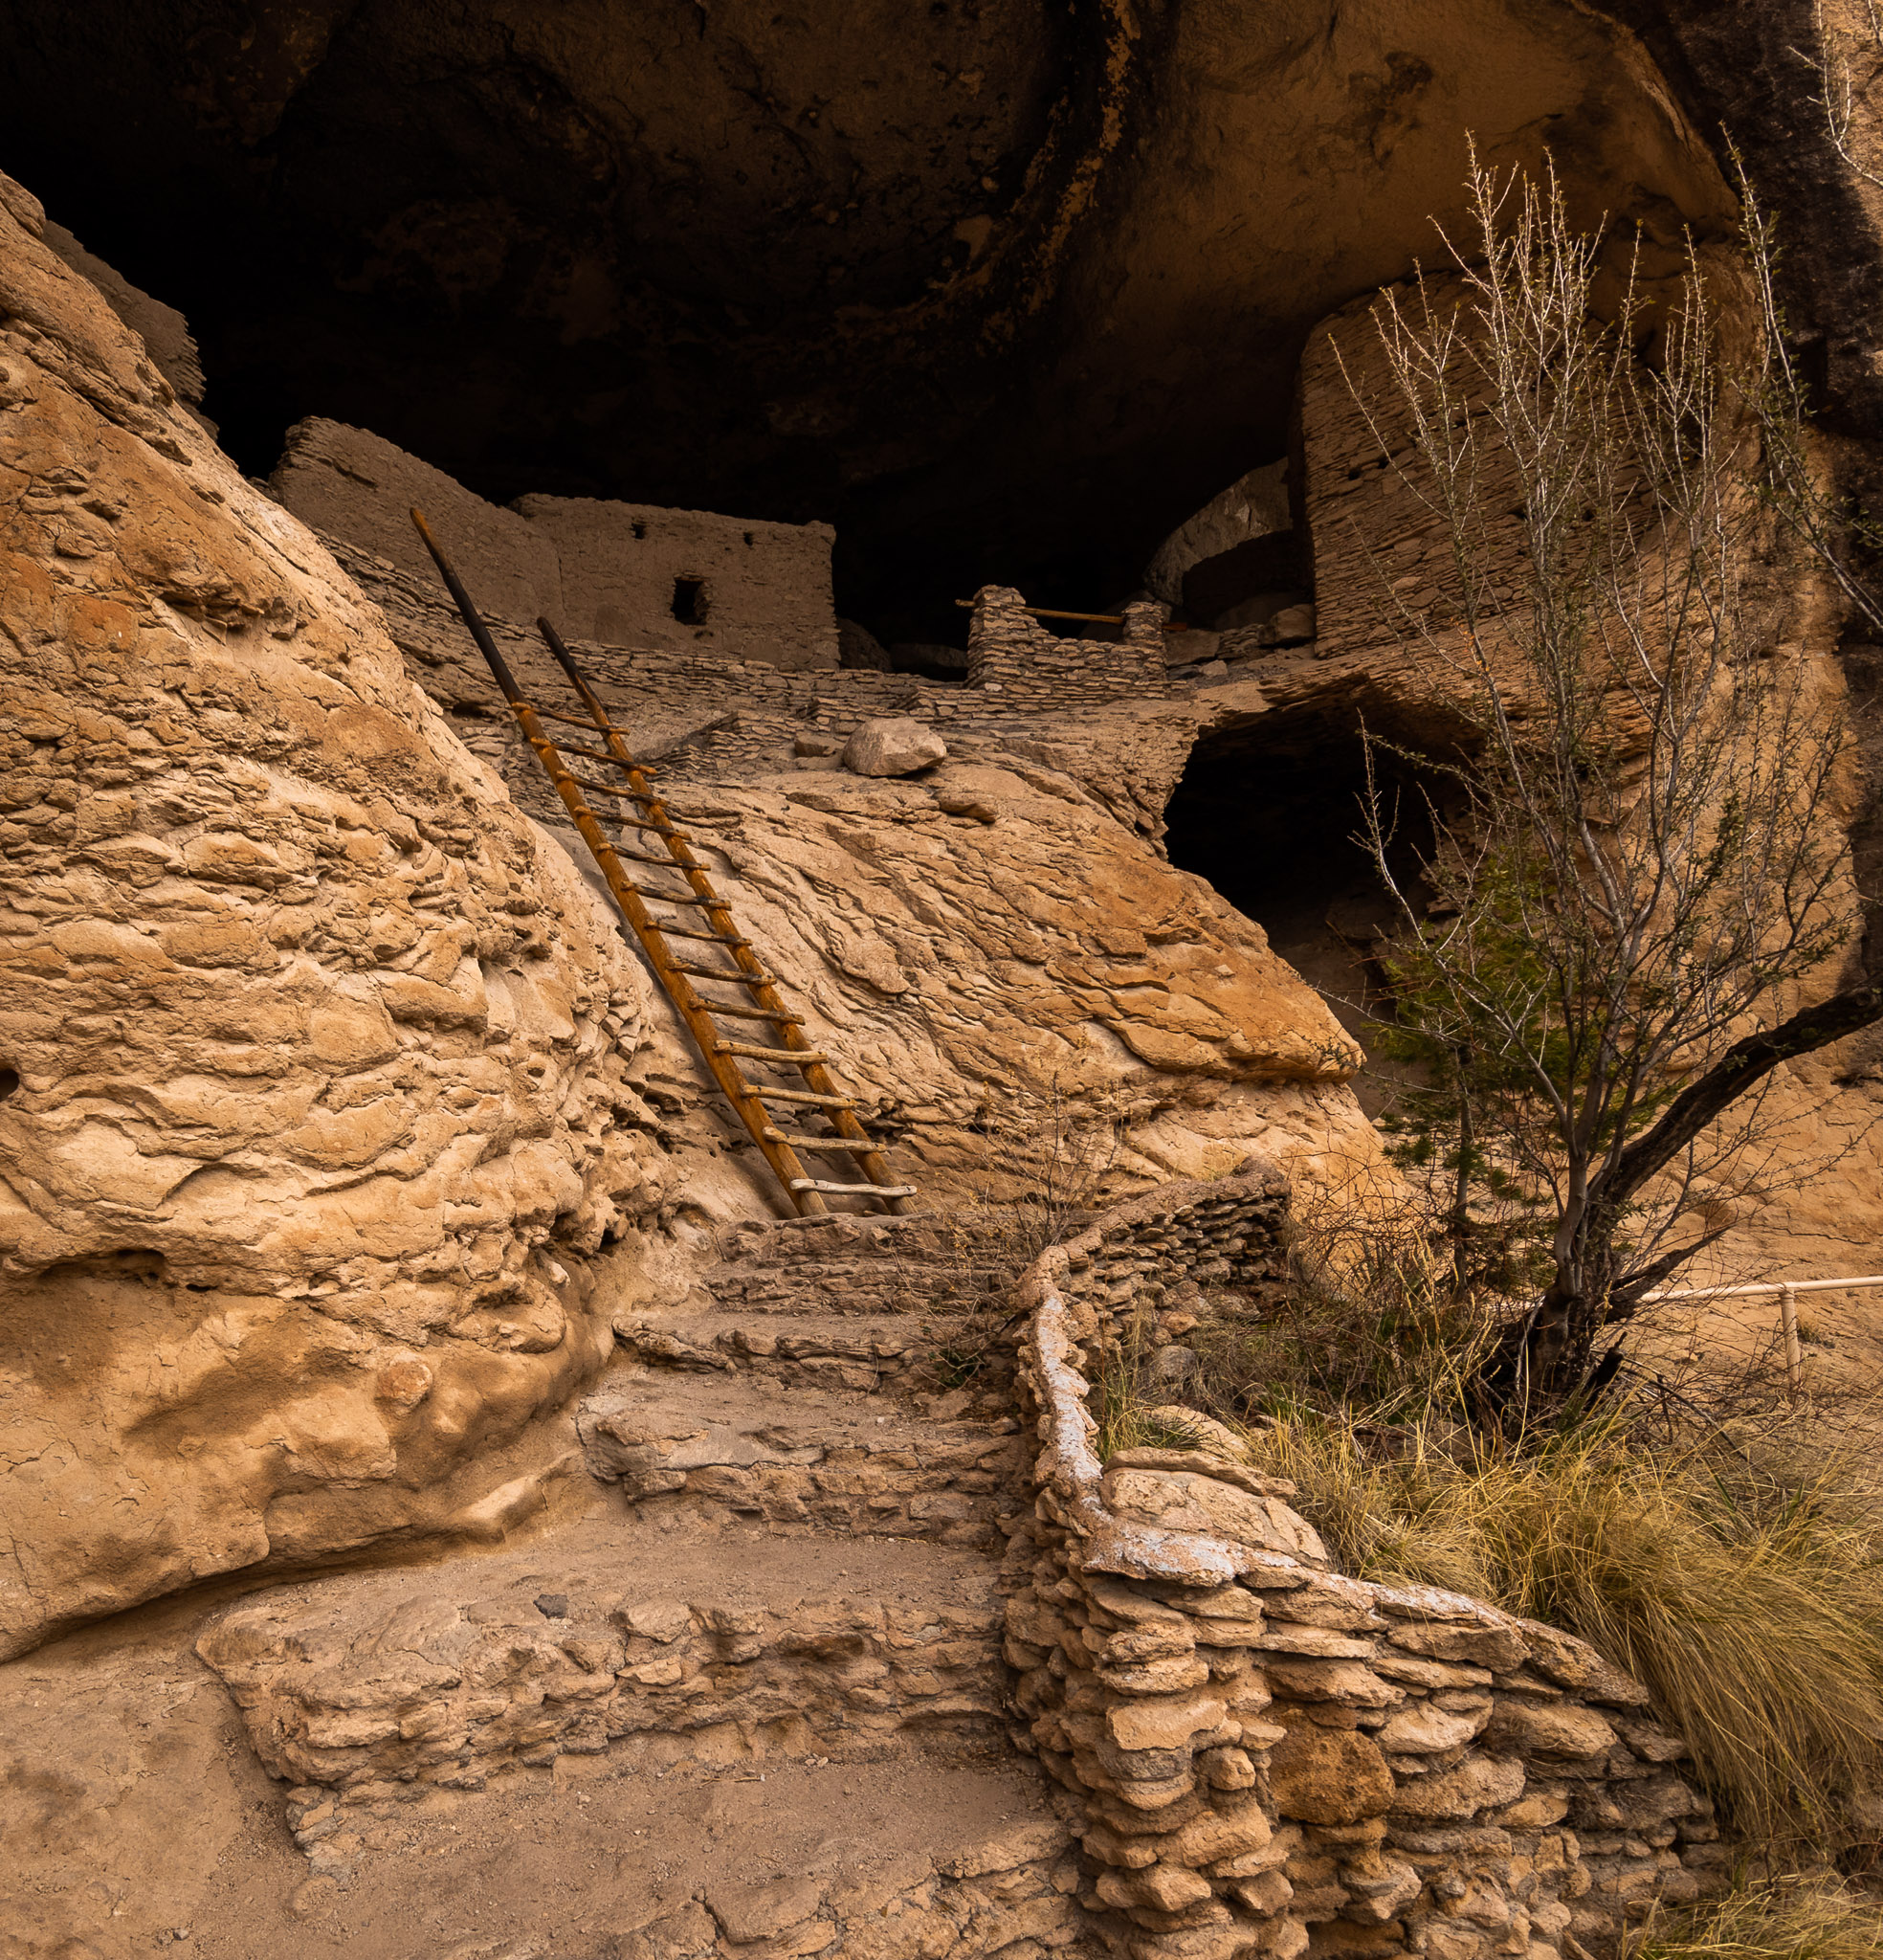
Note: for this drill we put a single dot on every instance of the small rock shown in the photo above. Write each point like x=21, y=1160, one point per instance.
x=313, y=1898
x=963, y=803
x=815, y=742
x=893, y=745
x=552, y=1605
x=1213, y=670
x=1293, y=624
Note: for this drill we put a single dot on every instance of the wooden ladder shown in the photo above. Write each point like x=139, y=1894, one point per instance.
x=639, y=808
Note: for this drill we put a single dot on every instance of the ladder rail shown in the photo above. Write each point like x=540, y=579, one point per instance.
x=867, y=1151
x=782, y=1160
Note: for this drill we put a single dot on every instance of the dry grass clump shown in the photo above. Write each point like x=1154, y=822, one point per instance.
x=1374, y=1322
x=1815, y=1918
x=1746, y=1591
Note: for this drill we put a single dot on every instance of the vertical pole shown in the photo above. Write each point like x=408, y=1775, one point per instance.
x=1794, y=1357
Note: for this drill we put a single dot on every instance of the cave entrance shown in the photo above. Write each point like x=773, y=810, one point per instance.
x=1270, y=811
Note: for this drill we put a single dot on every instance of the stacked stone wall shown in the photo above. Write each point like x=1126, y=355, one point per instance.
x=757, y=588
x=1010, y=654
x=708, y=718
x=676, y=579
x=1270, y=1758
x=1384, y=568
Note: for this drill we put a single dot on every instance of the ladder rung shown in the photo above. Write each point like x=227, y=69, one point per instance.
x=717, y=973
x=752, y=1013
x=587, y=721
x=661, y=926
x=766, y=1092
x=676, y=899
x=647, y=768
x=642, y=858
x=791, y=1055
x=868, y=1191
x=774, y=1135
x=608, y=790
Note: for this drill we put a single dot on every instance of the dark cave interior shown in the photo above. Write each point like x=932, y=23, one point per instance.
x=1271, y=810
x=944, y=276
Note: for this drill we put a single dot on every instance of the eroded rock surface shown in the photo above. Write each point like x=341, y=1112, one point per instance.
x=312, y=1044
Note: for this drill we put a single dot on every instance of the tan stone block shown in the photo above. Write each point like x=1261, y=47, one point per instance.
x=1423, y=1730
x=1165, y=1887
x=1522, y=1726
x=1478, y=1783
x=1329, y=1776
x=1499, y=1648
x=1215, y=1835
x=1168, y=1722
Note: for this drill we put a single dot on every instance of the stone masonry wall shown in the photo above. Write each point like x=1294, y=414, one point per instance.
x=708, y=718
x=1272, y=1758
x=1382, y=556
x=1010, y=653
x=763, y=590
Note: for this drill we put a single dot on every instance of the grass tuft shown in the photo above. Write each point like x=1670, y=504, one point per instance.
x=1746, y=1594
x=1813, y=1917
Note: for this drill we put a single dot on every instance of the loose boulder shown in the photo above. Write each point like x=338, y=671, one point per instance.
x=893, y=745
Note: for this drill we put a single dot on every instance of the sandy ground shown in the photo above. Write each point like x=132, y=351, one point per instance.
x=135, y=1819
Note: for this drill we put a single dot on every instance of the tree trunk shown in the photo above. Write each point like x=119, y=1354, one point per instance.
x=1587, y=1291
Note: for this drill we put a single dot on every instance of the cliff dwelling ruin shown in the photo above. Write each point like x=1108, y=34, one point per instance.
x=562, y=1398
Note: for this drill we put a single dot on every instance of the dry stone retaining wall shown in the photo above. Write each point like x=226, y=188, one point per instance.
x=1272, y=1758
x=439, y=1696
x=1010, y=653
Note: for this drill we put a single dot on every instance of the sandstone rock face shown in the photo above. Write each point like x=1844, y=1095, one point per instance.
x=1013, y=984
x=311, y=1040
x=893, y=745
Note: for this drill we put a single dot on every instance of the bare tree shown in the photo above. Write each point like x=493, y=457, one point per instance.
x=1637, y=854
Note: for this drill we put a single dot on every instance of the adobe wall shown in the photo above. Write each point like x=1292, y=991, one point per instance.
x=356, y=486
x=1270, y=1757
x=599, y=571
x=764, y=588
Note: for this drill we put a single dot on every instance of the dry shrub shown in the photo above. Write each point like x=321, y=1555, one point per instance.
x=1038, y=1183
x=1374, y=1322
x=1814, y=1918
x=1743, y=1588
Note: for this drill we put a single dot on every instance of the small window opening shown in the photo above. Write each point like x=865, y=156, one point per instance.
x=9, y=1081
x=690, y=601
x=640, y=527
x=749, y=537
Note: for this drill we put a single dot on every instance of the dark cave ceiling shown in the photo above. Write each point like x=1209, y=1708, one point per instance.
x=1002, y=288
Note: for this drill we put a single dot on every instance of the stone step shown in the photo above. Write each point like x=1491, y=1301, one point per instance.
x=918, y=1357
x=842, y=1351
x=931, y=1262
x=902, y=1857
x=799, y=1457
x=709, y=1649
